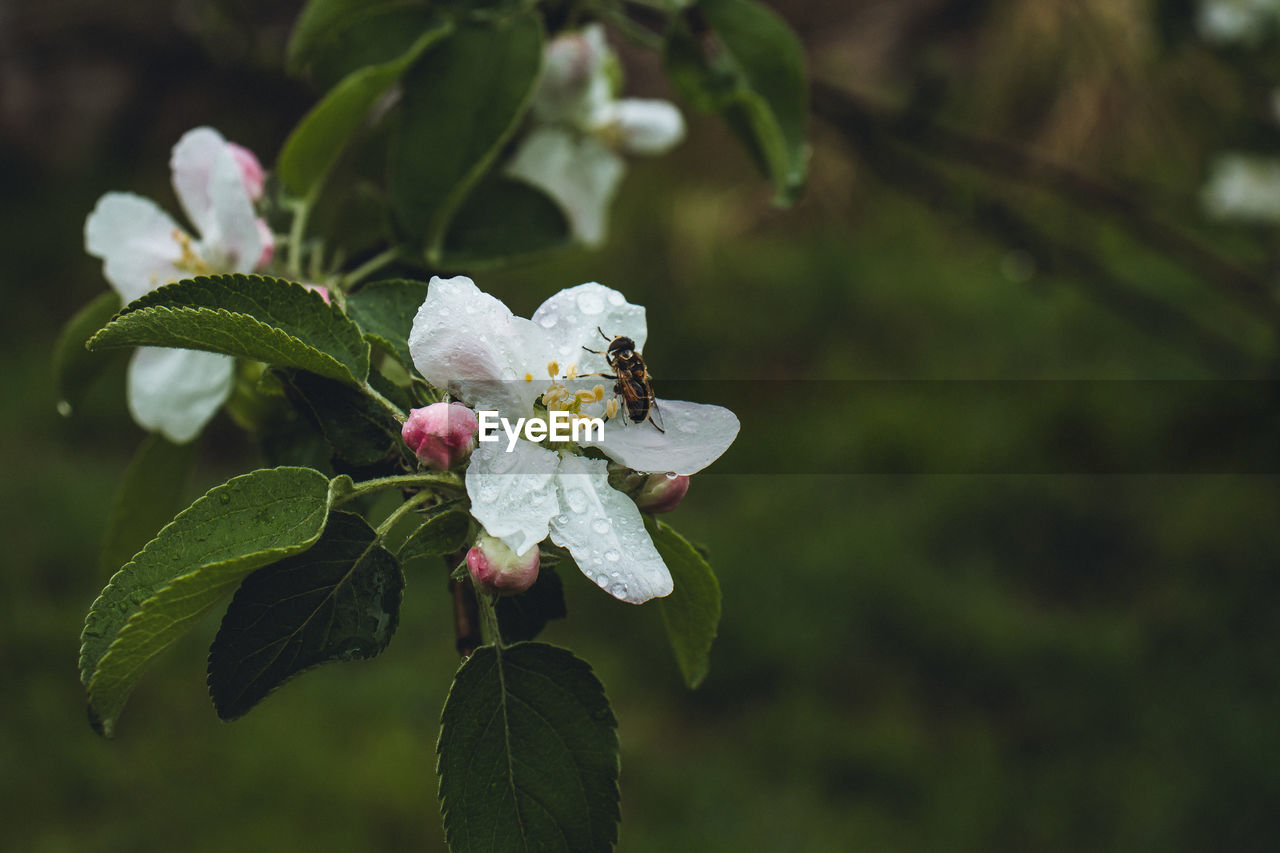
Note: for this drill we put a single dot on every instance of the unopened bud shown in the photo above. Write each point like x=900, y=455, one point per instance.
x=250, y=170
x=661, y=492
x=497, y=569
x=442, y=434
x=323, y=291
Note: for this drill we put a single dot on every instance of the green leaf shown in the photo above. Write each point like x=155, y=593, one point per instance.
x=246, y=523
x=384, y=311
x=523, y=616
x=265, y=319
x=147, y=498
x=691, y=613
x=530, y=222
x=461, y=101
x=528, y=754
x=75, y=369
x=750, y=68
x=444, y=530
x=340, y=600
x=335, y=37
x=322, y=135
x=359, y=430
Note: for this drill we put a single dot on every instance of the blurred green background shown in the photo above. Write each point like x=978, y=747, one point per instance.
x=923, y=647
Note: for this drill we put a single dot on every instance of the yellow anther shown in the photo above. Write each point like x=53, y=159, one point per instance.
x=553, y=369
x=611, y=408
x=572, y=372
x=528, y=377
x=597, y=393
x=188, y=260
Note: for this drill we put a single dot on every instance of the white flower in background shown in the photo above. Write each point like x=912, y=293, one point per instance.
x=572, y=153
x=468, y=342
x=1244, y=188
x=1234, y=21
x=174, y=391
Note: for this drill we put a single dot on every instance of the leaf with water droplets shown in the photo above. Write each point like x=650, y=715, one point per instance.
x=244, y=524
x=340, y=600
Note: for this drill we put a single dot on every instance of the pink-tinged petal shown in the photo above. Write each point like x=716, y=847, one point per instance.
x=176, y=391
x=236, y=242
x=575, y=83
x=605, y=533
x=513, y=494
x=322, y=290
x=646, y=126
x=251, y=171
x=135, y=240
x=469, y=343
x=577, y=171
x=269, y=248
x=496, y=568
x=575, y=316
x=192, y=164
x=696, y=434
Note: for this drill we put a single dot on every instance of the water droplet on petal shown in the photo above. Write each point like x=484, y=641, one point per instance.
x=601, y=526
x=618, y=590
x=562, y=519
x=615, y=298
x=590, y=303
x=602, y=579
x=577, y=500
x=612, y=556
x=547, y=321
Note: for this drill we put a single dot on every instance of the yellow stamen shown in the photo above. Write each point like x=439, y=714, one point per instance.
x=572, y=372
x=553, y=369
x=528, y=377
x=611, y=408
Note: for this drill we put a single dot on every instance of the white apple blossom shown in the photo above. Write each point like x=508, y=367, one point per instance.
x=175, y=391
x=468, y=342
x=1243, y=188
x=572, y=152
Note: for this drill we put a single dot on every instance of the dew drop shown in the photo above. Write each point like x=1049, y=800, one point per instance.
x=671, y=475
x=615, y=298
x=602, y=579
x=612, y=556
x=64, y=408
x=547, y=321
x=576, y=499
x=618, y=590
x=224, y=498
x=590, y=303
x=562, y=519
x=601, y=526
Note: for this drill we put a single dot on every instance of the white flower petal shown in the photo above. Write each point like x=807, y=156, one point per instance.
x=192, y=163
x=696, y=434
x=513, y=494
x=134, y=238
x=646, y=126
x=575, y=316
x=578, y=171
x=236, y=241
x=176, y=391
x=468, y=342
x=605, y=533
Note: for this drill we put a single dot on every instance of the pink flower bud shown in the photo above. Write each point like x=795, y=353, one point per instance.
x=250, y=169
x=268, y=243
x=497, y=569
x=324, y=294
x=661, y=493
x=442, y=434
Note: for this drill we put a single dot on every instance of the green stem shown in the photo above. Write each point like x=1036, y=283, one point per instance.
x=489, y=631
x=404, y=509
x=384, y=402
x=374, y=264
x=426, y=479
x=297, y=232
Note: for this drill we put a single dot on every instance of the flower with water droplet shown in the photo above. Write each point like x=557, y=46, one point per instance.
x=497, y=569
x=468, y=342
x=572, y=153
x=441, y=435
x=173, y=391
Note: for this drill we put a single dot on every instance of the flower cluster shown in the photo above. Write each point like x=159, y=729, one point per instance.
x=176, y=391
x=572, y=153
x=469, y=343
